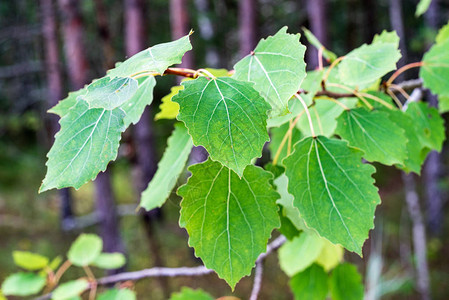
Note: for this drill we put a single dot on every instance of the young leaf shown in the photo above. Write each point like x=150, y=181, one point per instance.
x=298, y=254
x=443, y=34
x=422, y=7
x=117, y=294
x=373, y=133
x=168, y=170
x=368, y=63
x=443, y=104
x=330, y=256
x=333, y=190
x=169, y=109
x=276, y=67
x=387, y=37
x=190, y=294
x=23, y=284
x=229, y=219
x=227, y=117
x=109, y=93
x=135, y=106
x=428, y=123
x=346, y=283
x=310, y=284
x=154, y=59
x=109, y=261
x=85, y=249
x=29, y=261
x=435, y=69
x=313, y=40
x=87, y=142
x=70, y=289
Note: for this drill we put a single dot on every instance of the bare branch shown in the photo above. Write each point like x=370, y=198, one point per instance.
x=257, y=281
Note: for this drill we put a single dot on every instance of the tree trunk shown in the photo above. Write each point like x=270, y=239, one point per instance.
x=316, y=10
x=55, y=92
x=179, y=21
x=247, y=26
x=207, y=32
x=104, y=33
x=78, y=75
x=397, y=24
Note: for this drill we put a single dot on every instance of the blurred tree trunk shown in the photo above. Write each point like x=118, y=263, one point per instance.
x=55, y=93
x=370, y=19
x=78, y=74
x=351, y=25
x=316, y=10
x=179, y=22
x=104, y=33
x=207, y=32
x=433, y=166
x=247, y=26
x=397, y=24
x=135, y=40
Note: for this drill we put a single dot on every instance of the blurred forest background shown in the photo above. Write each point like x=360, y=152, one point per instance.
x=51, y=47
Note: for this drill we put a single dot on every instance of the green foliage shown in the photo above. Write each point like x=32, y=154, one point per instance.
x=313, y=40
x=276, y=67
x=109, y=260
x=29, y=261
x=117, y=294
x=191, y=294
x=70, y=289
x=435, y=69
x=422, y=7
x=23, y=284
x=346, y=283
x=310, y=284
x=443, y=34
x=220, y=210
x=225, y=116
x=85, y=250
x=135, y=106
x=333, y=190
x=168, y=170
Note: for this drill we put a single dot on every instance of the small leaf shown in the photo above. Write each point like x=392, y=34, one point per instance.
x=169, y=109
x=429, y=125
x=374, y=133
x=333, y=190
x=443, y=104
x=368, y=63
x=29, y=261
x=346, y=283
x=23, y=284
x=154, y=59
x=435, y=69
x=422, y=7
x=229, y=219
x=191, y=294
x=87, y=142
x=330, y=256
x=169, y=169
x=311, y=284
x=117, y=294
x=387, y=37
x=70, y=289
x=85, y=249
x=298, y=254
x=54, y=264
x=109, y=93
x=313, y=40
x=443, y=34
x=225, y=116
x=276, y=67
x=136, y=105
x=109, y=261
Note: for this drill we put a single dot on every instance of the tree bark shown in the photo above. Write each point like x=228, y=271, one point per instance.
x=247, y=26
x=317, y=10
x=55, y=92
x=78, y=75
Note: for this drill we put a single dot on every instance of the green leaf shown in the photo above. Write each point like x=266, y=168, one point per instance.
x=109, y=261
x=117, y=294
x=70, y=289
x=288, y=229
x=169, y=109
x=329, y=55
x=298, y=254
x=276, y=67
x=387, y=37
x=109, y=93
x=54, y=264
x=428, y=123
x=333, y=190
x=443, y=34
x=191, y=294
x=277, y=134
x=168, y=170
x=311, y=284
x=23, y=284
x=229, y=219
x=324, y=114
x=422, y=7
x=443, y=104
x=368, y=63
x=87, y=142
x=85, y=249
x=227, y=117
x=135, y=106
x=435, y=69
x=373, y=132
x=346, y=283
x=154, y=59
x=330, y=256
x=63, y=106
x=29, y=261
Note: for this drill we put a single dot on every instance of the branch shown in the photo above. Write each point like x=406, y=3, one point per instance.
x=257, y=281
